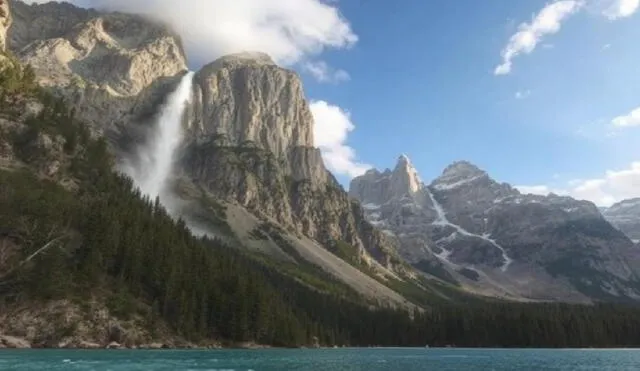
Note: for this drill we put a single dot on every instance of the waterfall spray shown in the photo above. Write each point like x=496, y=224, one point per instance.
x=155, y=159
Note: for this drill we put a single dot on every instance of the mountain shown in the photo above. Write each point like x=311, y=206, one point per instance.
x=248, y=171
x=261, y=245
x=486, y=236
x=251, y=143
x=5, y=22
x=87, y=262
x=625, y=215
x=114, y=68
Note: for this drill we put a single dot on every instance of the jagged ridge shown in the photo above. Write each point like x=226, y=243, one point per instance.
x=464, y=221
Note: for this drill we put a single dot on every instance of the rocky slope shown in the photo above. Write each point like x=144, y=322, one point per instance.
x=467, y=227
x=113, y=67
x=5, y=22
x=625, y=215
x=251, y=142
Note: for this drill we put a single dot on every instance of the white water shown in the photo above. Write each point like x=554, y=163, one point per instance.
x=155, y=159
x=443, y=221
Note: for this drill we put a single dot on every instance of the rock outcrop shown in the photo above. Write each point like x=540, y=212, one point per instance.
x=113, y=67
x=251, y=142
x=12, y=342
x=90, y=325
x=465, y=226
x=625, y=215
x=5, y=22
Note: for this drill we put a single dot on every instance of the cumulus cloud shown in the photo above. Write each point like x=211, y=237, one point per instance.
x=289, y=30
x=630, y=119
x=546, y=22
x=324, y=73
x=613, y=186
x=620, y=8
x=332, y=126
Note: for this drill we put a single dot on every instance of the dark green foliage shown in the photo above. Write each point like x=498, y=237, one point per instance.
x=533, y=325
x=105, y=237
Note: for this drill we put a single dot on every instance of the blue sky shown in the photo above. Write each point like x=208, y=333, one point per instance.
x=422, y=82
x=540, y=93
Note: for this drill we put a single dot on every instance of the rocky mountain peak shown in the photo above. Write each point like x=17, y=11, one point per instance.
x=405, y=178
x=632, y=203
x=113, y=67
x=462, y=169
x=375, y=187
x=247, y=58
x=458, y=174
x=253, y=101
x=625, y=215
x=467, y=224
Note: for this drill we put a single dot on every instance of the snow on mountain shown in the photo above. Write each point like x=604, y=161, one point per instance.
x=530, y=246
x=625, y=215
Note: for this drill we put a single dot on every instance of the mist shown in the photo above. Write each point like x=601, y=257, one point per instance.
x=152, y=163
x=290, y=31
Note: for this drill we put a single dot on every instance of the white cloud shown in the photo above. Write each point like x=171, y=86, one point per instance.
x=620, y=8
x=539, y=190
x=288, y=30
x=613, y=186
x=324, y=73
x=630, y=119
x=331, y=128
x=546, y=22
x=606, y=46
x=522, y=94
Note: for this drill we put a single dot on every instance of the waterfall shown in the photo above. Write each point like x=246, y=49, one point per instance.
x=155, y=158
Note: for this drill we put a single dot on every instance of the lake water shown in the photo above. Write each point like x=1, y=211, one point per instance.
x=404, y=359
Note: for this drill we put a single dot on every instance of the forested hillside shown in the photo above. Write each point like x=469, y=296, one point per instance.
x=72, y=229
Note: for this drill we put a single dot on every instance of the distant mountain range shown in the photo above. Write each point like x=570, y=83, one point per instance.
x=465, y=227
x=625, y=215
x=248, y=173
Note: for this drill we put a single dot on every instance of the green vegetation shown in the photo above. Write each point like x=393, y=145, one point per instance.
x=102, y=236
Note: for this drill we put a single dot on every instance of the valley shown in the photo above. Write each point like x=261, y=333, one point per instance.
x=143, y=203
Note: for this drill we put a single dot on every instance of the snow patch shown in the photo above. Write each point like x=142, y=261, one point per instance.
x=371, y=206
x=442, y=220
x=449, y=186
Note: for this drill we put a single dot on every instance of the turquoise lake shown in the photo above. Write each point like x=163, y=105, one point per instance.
x=403, y=359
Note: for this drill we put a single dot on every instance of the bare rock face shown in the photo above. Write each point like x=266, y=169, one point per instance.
x=251, y=143
x=111, y=66
x=12, y=342
x=625, y=215
x=466, y=226
x=5, y=22
x=246, y=100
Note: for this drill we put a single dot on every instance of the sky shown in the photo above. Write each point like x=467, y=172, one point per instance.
x=542, y=94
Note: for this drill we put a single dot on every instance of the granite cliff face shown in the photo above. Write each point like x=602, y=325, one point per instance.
x=625, y=215
x=5, y=22
x=489, y=236
x=250, y=142
x=113, y=67
x=248, y=147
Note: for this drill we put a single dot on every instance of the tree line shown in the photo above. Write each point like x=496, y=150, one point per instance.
x=101, y=234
